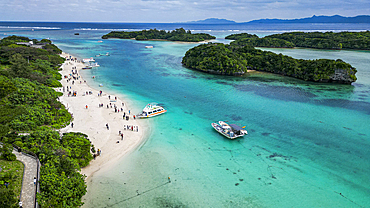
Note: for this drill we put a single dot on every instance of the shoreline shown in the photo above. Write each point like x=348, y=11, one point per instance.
x=91, y=119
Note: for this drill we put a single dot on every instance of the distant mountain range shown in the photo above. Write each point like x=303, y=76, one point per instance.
x=313, y=19
x=213, y=21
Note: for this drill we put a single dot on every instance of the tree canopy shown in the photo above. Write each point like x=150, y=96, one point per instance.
x=319, y=40
x=153, y=34
x=236, y=60
x=28, y=103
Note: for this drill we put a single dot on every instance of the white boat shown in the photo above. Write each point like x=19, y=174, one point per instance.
x=93, y=65
x=151, y=110
x=148, y=46
x=231, y=131
x=87, y=60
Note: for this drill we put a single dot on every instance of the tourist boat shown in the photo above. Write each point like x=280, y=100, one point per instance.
x=87, y=60
x=231, y=131
x=87, y=67
x=151, y=110
x=148, y=46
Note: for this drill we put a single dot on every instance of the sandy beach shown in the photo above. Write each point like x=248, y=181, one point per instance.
x=91, y=119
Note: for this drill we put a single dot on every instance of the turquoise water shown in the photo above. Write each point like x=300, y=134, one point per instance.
x=308, y=143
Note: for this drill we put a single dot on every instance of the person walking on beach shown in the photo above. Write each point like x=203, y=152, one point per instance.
x=72, y=125
x=129, y=112
x=107, y=126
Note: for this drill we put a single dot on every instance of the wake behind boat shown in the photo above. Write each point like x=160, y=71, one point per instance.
x=151, y=110
x=231, y=131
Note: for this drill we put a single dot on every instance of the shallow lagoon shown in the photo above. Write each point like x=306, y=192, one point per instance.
x=308, y=143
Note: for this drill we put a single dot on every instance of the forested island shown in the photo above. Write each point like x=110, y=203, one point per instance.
x=318, y=40
x=154, y=34
x=29, y=105
x=233, y=59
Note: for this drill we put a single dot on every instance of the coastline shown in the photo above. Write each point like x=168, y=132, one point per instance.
x=91, y=119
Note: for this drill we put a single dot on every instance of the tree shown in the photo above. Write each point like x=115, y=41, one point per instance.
x=20, y=66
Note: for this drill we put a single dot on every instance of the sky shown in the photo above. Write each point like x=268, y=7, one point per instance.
x=163, y=11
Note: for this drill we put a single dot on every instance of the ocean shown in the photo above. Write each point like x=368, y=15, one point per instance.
x=308, y=143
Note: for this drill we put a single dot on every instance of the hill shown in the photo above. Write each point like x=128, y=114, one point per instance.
x=213, y=21
x=318, y=19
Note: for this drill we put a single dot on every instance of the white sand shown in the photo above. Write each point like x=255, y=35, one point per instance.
x=93, y=119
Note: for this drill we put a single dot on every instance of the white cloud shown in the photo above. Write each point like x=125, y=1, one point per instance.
x=175, y=10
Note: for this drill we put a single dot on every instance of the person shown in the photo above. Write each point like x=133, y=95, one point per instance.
x=107, y=126
x=20, y=204
x=121, y=136
x=119, y=132
x=72, y=125
x=98, y=152
x=86, y=106
x=134, y=117
x=34, y=180
x=129, y=112
x=94, y=156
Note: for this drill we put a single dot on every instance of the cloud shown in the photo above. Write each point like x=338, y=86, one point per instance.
x=175, y=10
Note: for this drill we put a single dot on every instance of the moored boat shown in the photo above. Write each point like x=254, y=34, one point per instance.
x=151, y=110
x=87, y=67
x=231, y=131
x=88, y=60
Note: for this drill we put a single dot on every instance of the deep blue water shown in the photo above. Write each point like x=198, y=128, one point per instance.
x=308, y=143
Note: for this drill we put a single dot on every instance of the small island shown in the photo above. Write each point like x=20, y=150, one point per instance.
x=153, y=34
x=318, y=40
x=218, y=58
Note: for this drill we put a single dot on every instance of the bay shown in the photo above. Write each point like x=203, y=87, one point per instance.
x=308, y=143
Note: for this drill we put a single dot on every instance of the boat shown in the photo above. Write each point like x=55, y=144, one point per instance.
x=151, y=110
x=88, y=60
x=87, y=67
x=148, y=46
x=231, y=131
x=106, y=54
x=100, y=41
x=77, y=33
x=93, y=64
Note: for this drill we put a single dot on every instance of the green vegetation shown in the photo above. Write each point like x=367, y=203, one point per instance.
x=29, y=104
x=319, y=40
x=154, y=34
x=10, y=182
x=236, y=60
